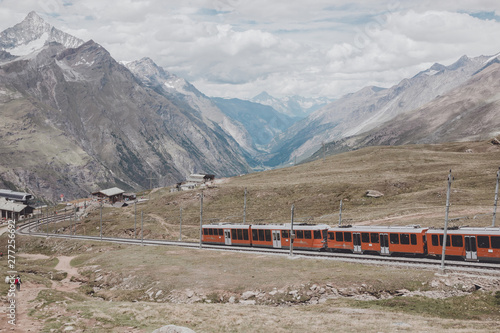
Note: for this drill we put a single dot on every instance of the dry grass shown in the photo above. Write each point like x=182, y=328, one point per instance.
x=412, y=178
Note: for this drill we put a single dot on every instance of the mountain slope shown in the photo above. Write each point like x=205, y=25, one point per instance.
x=261, y=121
x=368, y=108
x=186, y=96
x=98, y=110
x=32, y=34
x=470, y=112
x=292, y=106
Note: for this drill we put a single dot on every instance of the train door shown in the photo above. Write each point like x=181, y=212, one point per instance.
x=470, y=248
x=356, y=241
x=276, y=239
x=384, y=244
x=227, y=236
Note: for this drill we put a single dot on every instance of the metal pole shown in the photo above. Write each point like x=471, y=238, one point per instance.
x=142, y=230
x=245, y=207
x=100, y=227
x=201, y=216
x=292, y=235
x=340, y=213
x=135, y=219
x=496, y=200
x=180, y=224
x=450, y=178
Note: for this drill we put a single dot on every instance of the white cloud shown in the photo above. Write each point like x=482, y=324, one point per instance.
x=237, y=48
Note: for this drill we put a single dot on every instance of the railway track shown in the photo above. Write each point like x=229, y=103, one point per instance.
x=450, y=265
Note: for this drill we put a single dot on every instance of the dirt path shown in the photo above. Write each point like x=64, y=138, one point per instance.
x=29, y=291
x=66, y=284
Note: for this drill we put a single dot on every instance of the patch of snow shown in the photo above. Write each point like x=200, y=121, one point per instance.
x=32, y=46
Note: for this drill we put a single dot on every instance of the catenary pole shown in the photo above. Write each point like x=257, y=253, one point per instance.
x=100, y=227
x=180, y=224
x=496, y=200
x=135, y=219
x=340, y=213
x=245, y=207
x=142, y=229
x=292, y=235
x=450, y=178
x=201, y=217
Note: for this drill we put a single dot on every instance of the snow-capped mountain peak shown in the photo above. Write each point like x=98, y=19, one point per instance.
x=32, y=34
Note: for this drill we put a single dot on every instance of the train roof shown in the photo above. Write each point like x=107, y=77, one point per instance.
x=287, y=226
x=227, y=225
x=393, y=229
x=467, y=231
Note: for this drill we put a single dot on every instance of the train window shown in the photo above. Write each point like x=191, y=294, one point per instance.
x=447, y=240
x=347, y=236
x=365, y=237
x=210, y=232
x=495, y=242
x=245, y=234
x=255, y=235
x=483, y=242
x=457, y=241
x=261, y=235
x=340, y=236
x=374, y=238
x=233, y=234
x=307, y=234
x=284, y=233
x=205, y=231
x=221, y=232
x=317, y=234
x=331, y=236
x=394, y=238
x=268, y=235
x=413, y=239
x=405, y=239
x=435, y=241
x=240, y=234
x=300, y=234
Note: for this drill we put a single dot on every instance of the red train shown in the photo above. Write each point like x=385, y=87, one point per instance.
x=471, y=244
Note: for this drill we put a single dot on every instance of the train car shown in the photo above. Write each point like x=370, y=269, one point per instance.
x=226, y=234
x=375, y=239
x=471, y=244
x=307, y=236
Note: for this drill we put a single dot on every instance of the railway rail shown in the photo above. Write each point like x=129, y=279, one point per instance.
x=451, y=265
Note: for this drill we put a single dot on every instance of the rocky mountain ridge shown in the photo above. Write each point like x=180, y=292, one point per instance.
x=94, y=124
x=368, y=108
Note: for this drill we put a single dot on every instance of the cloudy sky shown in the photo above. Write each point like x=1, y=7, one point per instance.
x=238, y=48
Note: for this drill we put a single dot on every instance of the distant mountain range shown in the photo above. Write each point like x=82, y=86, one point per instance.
x=74, y=119
x=293, y=106
x=371, y=107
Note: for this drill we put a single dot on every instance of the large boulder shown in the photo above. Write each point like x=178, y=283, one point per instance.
x=374, y=194
x=173, y=329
